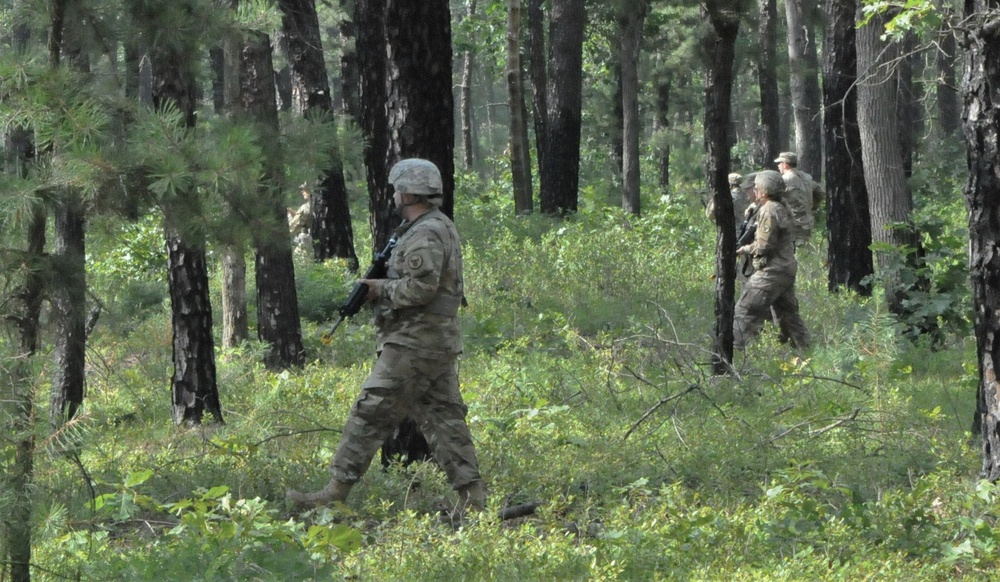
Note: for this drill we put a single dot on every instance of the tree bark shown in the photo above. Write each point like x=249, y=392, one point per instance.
x=520, y=157
x=803, y=67
x=891, y=202
x=235, y=319
x=69, y=290
x=560, y=174
x=419, y=105
x=371, y=46
x=948, y=107
x=661, y=126
x=331, y=230
x=848, y=220
x=468, y=59
x=633, y=15
x=193, y=383
x=767, y=142
x=350, y=77
x=720, y=49
x=539, y=78
x=980, y=81
x=277, y=300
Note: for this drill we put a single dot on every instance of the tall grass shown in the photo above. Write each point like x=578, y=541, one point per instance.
x=589, y=386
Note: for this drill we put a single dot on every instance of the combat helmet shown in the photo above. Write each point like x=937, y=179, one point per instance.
x=418, y=177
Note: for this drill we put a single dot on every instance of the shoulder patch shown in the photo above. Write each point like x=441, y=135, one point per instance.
x=414, y=262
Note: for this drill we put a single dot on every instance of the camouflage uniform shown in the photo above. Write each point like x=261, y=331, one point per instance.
x=802, y=195
x=418, y=344
x=770, y=291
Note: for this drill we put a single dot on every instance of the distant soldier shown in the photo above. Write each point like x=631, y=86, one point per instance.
x=740, y=201
x=300, y=219
x=802, y=195
x=770, y=291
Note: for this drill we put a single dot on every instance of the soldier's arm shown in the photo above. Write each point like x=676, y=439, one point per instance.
x=419, y=267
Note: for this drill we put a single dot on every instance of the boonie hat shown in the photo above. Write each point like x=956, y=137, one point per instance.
x=789, y=158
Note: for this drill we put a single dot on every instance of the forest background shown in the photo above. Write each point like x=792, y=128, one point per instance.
x=151, y=150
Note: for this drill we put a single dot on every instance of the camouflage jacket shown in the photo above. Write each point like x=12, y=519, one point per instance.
x=418, y=306
x=773, y=249
x=803, y=197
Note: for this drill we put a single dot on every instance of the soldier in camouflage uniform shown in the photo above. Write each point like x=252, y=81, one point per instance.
x=802, y=195
x=418, y=342
x=770, y=291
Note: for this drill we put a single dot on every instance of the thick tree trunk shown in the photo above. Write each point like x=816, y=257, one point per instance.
x=277, y=300
x=193, y=383
x=539, y=77
x=804, y=83
x=767, y=139
x=848, y=220
x=331, y=230
x=980, y=81
x=69, y=293
x=69, y=303
x=235, y=320
x=349, y=76
x=371, y=46
x=885, y=177
x=720, y=48
x=419, y=103
x=560, y=174
x=520, y=157
x=633, y=15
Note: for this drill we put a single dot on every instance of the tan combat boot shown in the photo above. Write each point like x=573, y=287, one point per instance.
x=333, y=492
x=472, y=496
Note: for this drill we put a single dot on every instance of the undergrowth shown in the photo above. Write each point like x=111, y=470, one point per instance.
x=588, y=380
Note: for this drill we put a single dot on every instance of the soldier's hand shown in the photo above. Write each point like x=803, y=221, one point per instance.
x=373, y=286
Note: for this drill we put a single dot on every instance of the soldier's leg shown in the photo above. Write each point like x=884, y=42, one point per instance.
x=379, y=408
x=441, y=414
x=752, y=310
x=786, y=314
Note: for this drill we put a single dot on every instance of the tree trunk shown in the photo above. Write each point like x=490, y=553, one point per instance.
x=560, y=174
x=911, y=114
x=720, y=49
x=982, y=199
x=69, y=293
x=193, y=383
x=468, y=141
x=235, y=320
x=419, y=103
x=332, y=233
x=277, y=300
x=371, y=45
x=633, y=15
x=661, y=126
x=350, y=78
x=69, y=304
x=804, y=85
x=520, y=157
x=891, y=202
x=948, y=107
x=767, y=139
x=539, y=77
x=848, y=219
x=28, y=285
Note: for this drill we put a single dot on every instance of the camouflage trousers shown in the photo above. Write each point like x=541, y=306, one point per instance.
x=768, y=295
x=405, y=382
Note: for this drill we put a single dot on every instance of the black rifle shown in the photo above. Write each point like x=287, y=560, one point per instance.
x=746, y=236
x=359, y=294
